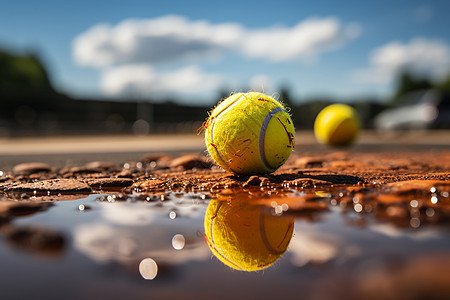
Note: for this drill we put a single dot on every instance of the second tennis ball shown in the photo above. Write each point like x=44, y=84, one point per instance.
x=249, y=133
x=336, y=125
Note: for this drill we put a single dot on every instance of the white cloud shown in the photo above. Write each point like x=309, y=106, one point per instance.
x=152, y=41
x=142, y=80
x=131, y=54
x=421, y=56
x=305, y=40
x=172, y=38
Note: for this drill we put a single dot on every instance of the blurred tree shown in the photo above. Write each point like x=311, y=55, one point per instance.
x=406, y=83
x=444, y=85
x=285, y=97
x=22, y=71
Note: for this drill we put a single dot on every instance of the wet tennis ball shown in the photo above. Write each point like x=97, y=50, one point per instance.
x=336, y=125
x=245, y=236
x=249, y=133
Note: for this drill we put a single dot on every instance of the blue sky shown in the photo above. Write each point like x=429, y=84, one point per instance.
x=190, y=49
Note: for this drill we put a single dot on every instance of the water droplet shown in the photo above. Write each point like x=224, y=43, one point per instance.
x=444, y=194
x=81, y=207
x=434, y=199
x=414, y=203
x=178, y=241
x=429, y=212
x=333, y=202
x=172, y=215
x=126, y=166
x=433, y=190
x=358, y=208
x=414, y=222
x=278, y=210
x=355, y=199
x=368, y=208
x=341, y=194
x=148, y=268
x=139, y=165
x=1, y=173
x=284, y=207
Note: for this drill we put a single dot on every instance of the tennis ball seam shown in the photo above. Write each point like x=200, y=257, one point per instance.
x=262, y=136
x=217, y=116
x=264, y=235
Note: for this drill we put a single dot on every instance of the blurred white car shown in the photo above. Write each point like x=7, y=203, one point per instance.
x=424, y=109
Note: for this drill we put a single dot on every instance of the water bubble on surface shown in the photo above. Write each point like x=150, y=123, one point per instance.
x=148, y=268
x=81, y=207
x=172, y=215
x=444, y=194
x=433, y=190
x=1, y=173
x=178, y=241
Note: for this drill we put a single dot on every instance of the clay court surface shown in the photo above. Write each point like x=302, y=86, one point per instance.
x=128, y=216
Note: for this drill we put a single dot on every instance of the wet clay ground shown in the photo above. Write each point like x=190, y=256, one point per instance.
x=368, y=225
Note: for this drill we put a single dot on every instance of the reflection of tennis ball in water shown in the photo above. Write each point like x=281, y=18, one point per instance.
x=249, y=133
x=336, y=124
x=245, y=236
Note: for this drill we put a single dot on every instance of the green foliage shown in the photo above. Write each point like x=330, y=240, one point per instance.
x=407, y=83
x=22, y=71
x=444, y=85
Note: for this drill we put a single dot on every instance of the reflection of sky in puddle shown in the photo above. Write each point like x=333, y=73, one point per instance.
x=118, y=245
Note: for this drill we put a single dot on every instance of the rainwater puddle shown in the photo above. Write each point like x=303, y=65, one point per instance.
x=311, y=245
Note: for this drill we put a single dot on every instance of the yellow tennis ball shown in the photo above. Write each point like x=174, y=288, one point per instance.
x=245, y=236
x=337, y=125
x=249, y=133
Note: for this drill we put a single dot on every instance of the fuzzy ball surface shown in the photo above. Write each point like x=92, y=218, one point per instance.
x=244, y=236
x=249, y=133
x=337, y=125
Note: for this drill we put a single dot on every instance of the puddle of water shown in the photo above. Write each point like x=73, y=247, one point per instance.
x=318, y=245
